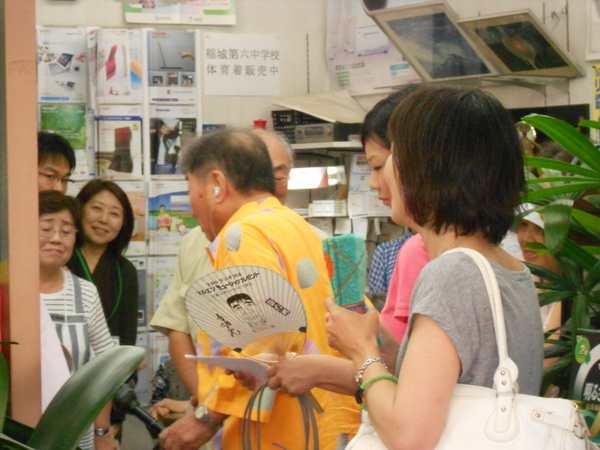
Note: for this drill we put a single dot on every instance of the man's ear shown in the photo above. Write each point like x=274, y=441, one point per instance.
x=220, y=185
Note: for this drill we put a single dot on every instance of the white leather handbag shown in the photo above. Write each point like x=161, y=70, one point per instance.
x=480, y=418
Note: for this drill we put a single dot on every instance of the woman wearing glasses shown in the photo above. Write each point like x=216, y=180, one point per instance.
x=73, y=303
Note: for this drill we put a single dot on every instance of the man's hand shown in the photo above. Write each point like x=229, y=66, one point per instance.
x=186, y=434
x=167, y=406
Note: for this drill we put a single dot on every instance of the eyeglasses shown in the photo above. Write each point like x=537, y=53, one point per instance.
x=54, y=179
x=281, y=180
x=65, y=231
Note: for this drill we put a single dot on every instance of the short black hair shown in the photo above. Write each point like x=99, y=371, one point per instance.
x=459, y=160
x=51, y=202
x=53, y=146
x=375, y=124
x=95, y=186
x=241, y=155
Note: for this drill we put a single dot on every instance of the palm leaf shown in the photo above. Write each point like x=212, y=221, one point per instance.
x=567, y=136
x=82, y=398
x=561, y=166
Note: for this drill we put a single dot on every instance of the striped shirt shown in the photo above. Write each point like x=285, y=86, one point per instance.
x=63, y=303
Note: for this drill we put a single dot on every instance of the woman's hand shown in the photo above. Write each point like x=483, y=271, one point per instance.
x=294, y=376
x=353, y=335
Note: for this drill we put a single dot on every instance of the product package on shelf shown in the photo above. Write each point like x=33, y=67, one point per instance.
x=172, y=74
x=119, y=143
x=70, y=121
x=61, y=64
x=171, y=129
x=169, y=216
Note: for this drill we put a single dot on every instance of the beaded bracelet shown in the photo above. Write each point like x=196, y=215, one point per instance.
x=362, y=368
x=361, y=389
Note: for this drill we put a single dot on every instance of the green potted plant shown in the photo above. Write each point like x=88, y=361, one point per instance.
x=75, y=406
x=556, y=195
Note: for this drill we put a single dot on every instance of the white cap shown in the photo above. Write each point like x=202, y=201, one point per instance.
x=533, y=217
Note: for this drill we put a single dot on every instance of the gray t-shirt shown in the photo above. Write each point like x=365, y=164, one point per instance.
x=451, y=291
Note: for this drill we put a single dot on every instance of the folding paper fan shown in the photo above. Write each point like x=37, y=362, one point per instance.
x=249, y=309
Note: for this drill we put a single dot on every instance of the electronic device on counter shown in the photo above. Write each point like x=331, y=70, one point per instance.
x=326, y=132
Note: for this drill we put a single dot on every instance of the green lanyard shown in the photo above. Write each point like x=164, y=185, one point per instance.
x=88, y=275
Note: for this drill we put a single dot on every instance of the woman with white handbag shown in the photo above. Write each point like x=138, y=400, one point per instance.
x=456, y=176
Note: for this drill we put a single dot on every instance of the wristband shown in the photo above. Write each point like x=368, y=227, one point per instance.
x=362, y=387
x=366, y=364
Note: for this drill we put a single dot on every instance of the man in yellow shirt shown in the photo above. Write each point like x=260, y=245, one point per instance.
x=232, y=187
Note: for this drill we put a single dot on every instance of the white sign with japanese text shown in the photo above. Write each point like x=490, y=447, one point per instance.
x=241, y=64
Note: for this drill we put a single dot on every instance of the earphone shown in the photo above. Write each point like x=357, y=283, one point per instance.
x=217, y=190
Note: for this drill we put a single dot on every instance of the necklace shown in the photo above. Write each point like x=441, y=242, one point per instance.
x=451, y=244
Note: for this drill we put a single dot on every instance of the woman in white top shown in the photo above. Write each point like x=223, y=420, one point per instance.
x=73, y=303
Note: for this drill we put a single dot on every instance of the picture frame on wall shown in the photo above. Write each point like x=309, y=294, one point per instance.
x=428, y=36
x=519, y=44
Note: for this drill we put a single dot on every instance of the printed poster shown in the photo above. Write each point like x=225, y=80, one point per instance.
x=118, y=67
x=70, y=122
x=172, y=75
x=241, y=64
x=360, y=58
x=171, y=129
x=169, y=216
x=61, y=64
x=119, y=144
x=198, y=12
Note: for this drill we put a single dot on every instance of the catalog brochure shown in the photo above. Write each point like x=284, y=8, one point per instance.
x=172, y=74
x=171, y=129
x=161, y=270
x=118, y=66
x=119, y=145
x=137, y=197
x=70, y=122
x=61, y=63
x=169, y=216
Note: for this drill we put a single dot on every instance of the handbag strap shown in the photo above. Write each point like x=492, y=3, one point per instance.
x=507, y=373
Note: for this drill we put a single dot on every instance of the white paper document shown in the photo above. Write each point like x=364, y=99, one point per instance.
x=247, y=365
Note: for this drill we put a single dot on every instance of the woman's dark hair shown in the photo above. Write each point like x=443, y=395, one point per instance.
x=51, y=202
x=375, y=125
x=93, y=187
x=459, y=160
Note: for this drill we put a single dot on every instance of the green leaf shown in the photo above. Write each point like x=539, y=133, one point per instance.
x=586, y=220
x=565, y=167
x=82, y=398
x=578, y=254
x=11, y=444
x=557, y=220
x=560, y=190
x=567, y=136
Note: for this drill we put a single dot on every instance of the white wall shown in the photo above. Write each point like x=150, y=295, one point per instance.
x=299, y=21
